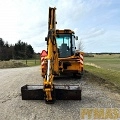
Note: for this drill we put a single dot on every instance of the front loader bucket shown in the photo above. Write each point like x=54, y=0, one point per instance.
x=68, y=92
x=62, y=92
x=32, y=92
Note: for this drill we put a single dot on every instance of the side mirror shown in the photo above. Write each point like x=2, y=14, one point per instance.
x=46, y=39
x=76, y=37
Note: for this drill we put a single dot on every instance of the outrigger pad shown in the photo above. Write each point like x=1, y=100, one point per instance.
x=62, y=92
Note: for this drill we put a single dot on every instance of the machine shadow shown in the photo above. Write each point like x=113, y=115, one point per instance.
x=68, y=76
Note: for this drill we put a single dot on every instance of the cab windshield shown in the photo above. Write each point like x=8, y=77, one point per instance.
x=64, y=44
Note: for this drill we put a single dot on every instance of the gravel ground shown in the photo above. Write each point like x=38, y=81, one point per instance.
x=13, y=108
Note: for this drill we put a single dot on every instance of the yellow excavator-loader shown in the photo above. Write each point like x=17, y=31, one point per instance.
x=60, y=58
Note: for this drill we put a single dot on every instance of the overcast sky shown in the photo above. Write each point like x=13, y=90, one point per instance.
x=96, y=22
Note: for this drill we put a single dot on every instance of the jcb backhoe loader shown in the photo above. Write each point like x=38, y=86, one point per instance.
x=60, y=58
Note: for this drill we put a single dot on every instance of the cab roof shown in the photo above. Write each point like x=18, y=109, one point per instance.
x=64, y=31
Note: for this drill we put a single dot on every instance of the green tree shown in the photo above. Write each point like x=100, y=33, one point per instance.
x=5, y=50
x=23, y=51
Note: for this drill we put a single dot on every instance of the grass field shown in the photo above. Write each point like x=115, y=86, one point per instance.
x=19, y=63
x=31, y=62
x=105, y=66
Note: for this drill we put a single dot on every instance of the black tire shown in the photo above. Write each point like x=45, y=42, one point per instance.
x=77, y=75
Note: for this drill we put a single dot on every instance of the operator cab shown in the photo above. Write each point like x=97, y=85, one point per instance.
x=65, y=43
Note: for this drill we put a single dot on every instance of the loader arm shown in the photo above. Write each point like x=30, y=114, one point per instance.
x=52, y=57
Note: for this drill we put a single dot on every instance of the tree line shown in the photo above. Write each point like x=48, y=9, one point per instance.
x=19, y=50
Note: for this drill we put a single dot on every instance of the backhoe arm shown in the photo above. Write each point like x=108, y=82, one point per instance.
x=52, y=57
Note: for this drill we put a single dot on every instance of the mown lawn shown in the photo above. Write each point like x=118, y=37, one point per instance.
x=31, y=62
x=19, y=63
x=106, y=61
x=105, y=66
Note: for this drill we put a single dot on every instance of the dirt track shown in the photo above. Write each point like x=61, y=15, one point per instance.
x=13, y=108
